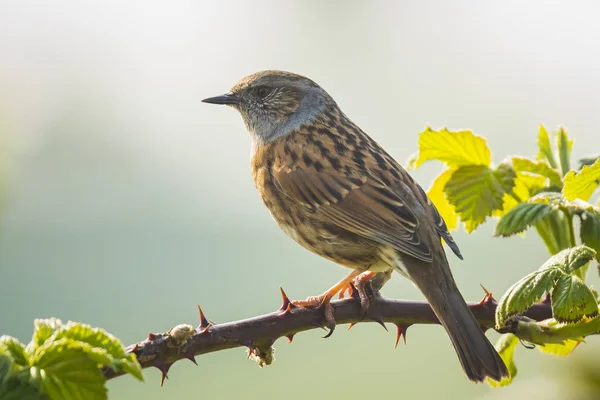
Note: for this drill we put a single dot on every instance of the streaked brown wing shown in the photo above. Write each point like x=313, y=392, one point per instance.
x=440, y=224
x=359, y=204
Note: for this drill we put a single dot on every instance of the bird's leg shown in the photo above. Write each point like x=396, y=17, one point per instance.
x=359, y=283
x=324, y=300
x=360, y=280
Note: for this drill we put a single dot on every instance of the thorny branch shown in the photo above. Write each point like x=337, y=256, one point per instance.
x=162, y=350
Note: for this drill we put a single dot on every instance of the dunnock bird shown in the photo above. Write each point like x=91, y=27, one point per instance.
x=336, y=192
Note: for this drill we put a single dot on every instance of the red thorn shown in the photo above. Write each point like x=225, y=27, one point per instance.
x=164, y=369
x=351, y=325
x=191, y=358
x=204, y=324
x=379, y=320
x=135, y=348
x=485, y=290
x=287, y=305
x=288, y=309
x=249, y=344
x=204, y=330
x=290, y=337
x=203, y=321
x=487, y=297
x=152, y=336
x=401, y=332
x=547, y=299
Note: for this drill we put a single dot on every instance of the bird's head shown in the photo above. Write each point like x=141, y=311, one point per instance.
x=275, y=103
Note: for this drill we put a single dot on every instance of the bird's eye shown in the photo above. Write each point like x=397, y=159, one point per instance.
x=263, y=92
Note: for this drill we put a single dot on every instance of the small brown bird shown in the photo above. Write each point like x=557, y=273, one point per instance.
x=336, y=192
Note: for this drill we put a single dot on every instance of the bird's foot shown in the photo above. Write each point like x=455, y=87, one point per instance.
x=360, y=287
x=320, y=302
x=324, y=301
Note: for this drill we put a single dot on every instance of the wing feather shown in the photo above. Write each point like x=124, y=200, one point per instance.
x=345, y=178
x=360, y=206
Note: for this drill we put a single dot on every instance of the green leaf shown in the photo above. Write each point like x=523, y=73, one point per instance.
x=476, y=191
x=587, y=161
x=64, y=361
x=19, y=389
x=15, y=350
x=95, y=337
x=571, y=259
x=552, y=198
x=564, y=145
x=559, y=202
x=522, y=164
x=572, y=300
x=533, y=286
x=100, y=339
x=556, y=228
x=453, y=148
x=536, y=332
x=544, y=147
x=6, y=367
x=68, y=369
x=129, y=365
x=581, y=185
x=572, y=331
x=16, y=387
x=505, y=347
x=521, y=217
x=43, y=329
x=526, y=185
x=437, y=196
x=558, y=349
x=590, y=231
x=528, y=290
x=554, y=231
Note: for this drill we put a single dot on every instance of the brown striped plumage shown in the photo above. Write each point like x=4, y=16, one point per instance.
x=328, y=168
x=336, y=192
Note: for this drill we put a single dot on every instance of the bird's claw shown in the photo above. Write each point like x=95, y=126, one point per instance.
x=357, y=284
x=320, y=302
x=363, y=292
x=329, y=318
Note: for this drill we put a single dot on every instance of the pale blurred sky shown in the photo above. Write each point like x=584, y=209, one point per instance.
x=123, y=186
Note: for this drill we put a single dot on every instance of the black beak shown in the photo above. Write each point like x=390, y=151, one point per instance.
x=229, y=99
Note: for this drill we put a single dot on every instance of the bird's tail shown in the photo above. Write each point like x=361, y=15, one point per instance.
x=477, y=356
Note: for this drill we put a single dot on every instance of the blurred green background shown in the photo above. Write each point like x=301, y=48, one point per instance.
x=127, y=201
